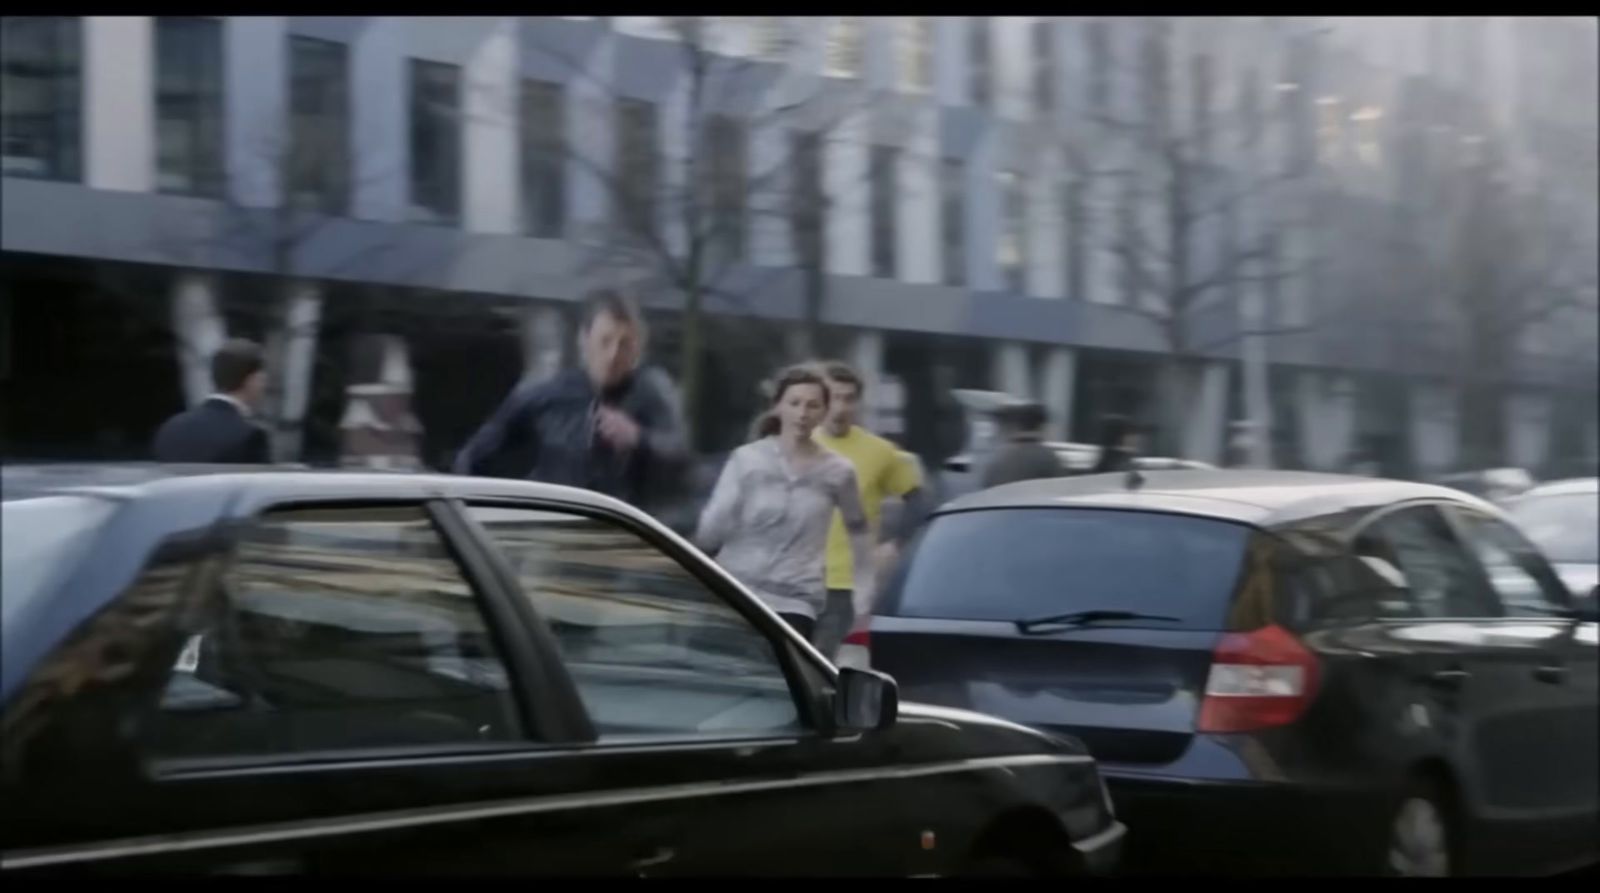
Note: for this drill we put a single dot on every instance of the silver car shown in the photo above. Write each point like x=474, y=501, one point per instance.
x=1563, y=520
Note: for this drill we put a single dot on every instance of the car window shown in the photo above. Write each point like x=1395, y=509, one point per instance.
x=652, y=650
x=1525, y=584
x=1566, y=526
x=340, y=628
x=1024, y=563
x=1428, y=572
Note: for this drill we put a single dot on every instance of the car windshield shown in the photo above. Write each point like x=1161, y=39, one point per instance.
x=40, y=534
x=1018, y=564
x=1566, y=527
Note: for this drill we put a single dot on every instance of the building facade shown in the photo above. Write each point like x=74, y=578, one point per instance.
x=1082, y=210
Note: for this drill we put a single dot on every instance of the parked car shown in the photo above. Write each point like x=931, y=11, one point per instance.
x=1563, y=519
x=268, y=672
x=1276, y=671
x=1497, y=485
x=963, y=471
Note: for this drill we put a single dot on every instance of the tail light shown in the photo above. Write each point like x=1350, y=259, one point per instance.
x=856, y=650
x=1258, y=680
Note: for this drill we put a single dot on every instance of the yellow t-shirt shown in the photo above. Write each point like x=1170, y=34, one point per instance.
x=880, y=471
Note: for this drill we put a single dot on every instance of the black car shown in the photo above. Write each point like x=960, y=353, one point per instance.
x=1276, y=670
x=265, y=671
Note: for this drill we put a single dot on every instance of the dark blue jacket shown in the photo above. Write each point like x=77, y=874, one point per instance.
x=213, y=432
x=547, y=430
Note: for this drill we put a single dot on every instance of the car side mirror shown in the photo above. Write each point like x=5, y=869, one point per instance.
x=865, y=701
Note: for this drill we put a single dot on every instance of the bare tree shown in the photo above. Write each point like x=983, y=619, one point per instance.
x=1502, y=266
x=1188, y=201
x=689, y=231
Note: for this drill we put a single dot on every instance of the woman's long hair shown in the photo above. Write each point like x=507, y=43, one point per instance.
x=768, y=423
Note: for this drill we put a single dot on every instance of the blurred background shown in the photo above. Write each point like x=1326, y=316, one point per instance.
x=1355, y=244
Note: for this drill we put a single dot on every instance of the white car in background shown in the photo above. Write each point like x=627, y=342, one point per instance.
x=1563, y=520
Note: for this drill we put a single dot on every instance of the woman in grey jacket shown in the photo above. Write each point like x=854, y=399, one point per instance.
x=768, y=517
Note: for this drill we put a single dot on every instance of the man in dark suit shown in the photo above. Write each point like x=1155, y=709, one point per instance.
x=219, y=430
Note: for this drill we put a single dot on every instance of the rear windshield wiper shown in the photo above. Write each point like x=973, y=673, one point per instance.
x=1084, y=618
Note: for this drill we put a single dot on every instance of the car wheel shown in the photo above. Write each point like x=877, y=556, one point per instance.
x=1419, y=840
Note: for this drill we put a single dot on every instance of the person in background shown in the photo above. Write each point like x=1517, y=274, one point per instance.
x=880, y=472
x=221, y=428
x=1023, y=456
x=607, y=426
x=768, y=517
x=1119, y=445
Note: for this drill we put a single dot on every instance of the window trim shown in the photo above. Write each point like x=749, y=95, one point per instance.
x=811, y=705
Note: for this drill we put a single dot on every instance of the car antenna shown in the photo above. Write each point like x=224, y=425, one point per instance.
x=1134, y=480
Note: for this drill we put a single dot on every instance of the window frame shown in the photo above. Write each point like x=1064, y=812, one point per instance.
x=813, y=705
x=331, y=193
x=64, y=160
x=542, y=157
x=208, y=178
x=417, y=75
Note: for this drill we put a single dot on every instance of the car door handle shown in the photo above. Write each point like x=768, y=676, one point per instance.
x=1449, y=678
x=661, y=856
x=1550, y=673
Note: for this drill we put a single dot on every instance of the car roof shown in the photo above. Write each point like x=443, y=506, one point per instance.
x=133, y=480
x=1568, y=487
x=1261, y=498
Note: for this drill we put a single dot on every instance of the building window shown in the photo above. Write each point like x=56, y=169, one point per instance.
x=916, y=53
x=884, y=201
x=1298, y=114
x=638, y=165
x=771, y=38
x=808, y=218
x=844, y=47
x=319, y=123
x=978, y=61
x=1012, y=251
x=953, y=221
x=1075, y=223
x=41, y=100
x=544, y=193
x=725, y=187
x=1098, y=40
x=1156, y=79
x=435, y=142
x=1044, y=66
x=1250, y=118
x=1203, y=83
x=189, y=105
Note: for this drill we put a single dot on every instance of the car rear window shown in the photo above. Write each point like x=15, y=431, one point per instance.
x=1015, y=564
x=40, y=536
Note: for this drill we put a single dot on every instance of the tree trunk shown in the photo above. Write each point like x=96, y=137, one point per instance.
x=689, y=362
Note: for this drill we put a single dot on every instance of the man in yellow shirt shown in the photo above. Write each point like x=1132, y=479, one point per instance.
x=880, y=472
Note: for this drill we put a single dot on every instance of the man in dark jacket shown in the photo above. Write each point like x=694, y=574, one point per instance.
x=606, y=427
x=1119, y=445
x=1024, y=457
x=220, y=430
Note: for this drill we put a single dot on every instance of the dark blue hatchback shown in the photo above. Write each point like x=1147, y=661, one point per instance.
x=1283, y=671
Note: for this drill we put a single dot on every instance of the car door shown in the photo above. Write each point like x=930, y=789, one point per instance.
x=704, y=709
x=1543, y=756
x=1436, y=625
x=348, y=699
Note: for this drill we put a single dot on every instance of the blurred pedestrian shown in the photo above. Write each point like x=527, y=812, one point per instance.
x=607, y=426
x=1119, y=444
x=1022, y=455
x=221, y=429
x=881, y=471
x=768, y=517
